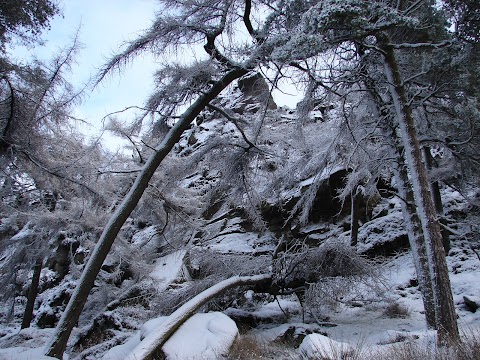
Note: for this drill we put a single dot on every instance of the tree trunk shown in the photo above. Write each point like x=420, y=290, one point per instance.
x=32, y=294
x=410, y=216
x=416, y=240
x=356, y=198
x=444, y=307
x=437, y=198
x=58, y=342
x=152, y=344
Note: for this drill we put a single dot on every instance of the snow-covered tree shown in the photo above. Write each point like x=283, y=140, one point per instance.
x=324, y=43
x=182, y=22
x=387, y=30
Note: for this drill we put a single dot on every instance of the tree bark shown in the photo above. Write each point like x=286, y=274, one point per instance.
x=58, y=342
x=356, y=198
x=444, y=307
x=410, y=216
x=437, y=198
x=152, y=344
x=32, y=294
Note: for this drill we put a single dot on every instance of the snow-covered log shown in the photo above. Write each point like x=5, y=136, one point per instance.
x=154, y=341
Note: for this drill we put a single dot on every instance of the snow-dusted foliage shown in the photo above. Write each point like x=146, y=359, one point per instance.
x=285, y=203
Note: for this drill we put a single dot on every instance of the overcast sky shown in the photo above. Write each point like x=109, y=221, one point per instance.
x=104, y=26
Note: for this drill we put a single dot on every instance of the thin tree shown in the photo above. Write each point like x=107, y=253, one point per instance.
x=189, y=23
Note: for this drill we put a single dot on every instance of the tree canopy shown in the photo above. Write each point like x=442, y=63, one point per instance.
x=25, y=19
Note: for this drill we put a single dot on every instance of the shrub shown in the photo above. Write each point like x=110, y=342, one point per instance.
x=395, y=310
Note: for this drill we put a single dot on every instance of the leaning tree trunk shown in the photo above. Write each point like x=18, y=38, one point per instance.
x=410, y=216
x=444, y=307
x=416, y=240
x=32, y=294
x=58, y=342
x=152, y=344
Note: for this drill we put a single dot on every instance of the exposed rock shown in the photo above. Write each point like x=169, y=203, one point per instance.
x=103, y=327
x=471, y=304
x=383, y=236
x=255, y=90
x=292, y=334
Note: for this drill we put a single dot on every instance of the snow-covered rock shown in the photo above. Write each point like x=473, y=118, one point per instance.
x=209, y=336
x=203, y=336
x=23, y=353
x=316, y=346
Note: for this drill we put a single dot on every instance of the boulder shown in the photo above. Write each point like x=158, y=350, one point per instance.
x=317, y=346
x=203, y=336
x=471, y=303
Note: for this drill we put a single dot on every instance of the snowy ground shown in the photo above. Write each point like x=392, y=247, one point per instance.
x=365, y=325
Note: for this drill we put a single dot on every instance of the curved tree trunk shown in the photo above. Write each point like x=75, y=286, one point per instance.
x=69, y=319
x=152, y=344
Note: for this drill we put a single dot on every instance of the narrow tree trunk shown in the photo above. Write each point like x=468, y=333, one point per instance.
x=32, y=294
x=152, y=344
x=410, y=217
x=356, y=198
x=437, y=198
x=444, y=307
x=58, y=342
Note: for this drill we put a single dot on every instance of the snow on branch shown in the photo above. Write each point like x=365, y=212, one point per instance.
x=155, y=340
x=423, y=45
x=166, y=34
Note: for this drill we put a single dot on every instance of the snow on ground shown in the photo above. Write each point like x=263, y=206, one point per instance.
x=233, y=243
x=317, y=345
x=203, y=336
x=22, y=353
x=168, y=268
x=370, y=325
x=26, y=344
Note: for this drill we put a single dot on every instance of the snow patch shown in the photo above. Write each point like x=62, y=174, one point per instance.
x=316, y=346
x=209, y=336
x=23, y=353
x=203, y=336
x=168, y=268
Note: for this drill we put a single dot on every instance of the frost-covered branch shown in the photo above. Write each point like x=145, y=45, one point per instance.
x=235, y=122
x=423, y=45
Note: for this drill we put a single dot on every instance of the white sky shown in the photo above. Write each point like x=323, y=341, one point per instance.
x=104, y=26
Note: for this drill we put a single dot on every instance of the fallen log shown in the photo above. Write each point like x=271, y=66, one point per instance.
x=152, y=344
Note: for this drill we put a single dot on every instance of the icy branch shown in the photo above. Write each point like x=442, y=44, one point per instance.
x=422, y=45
